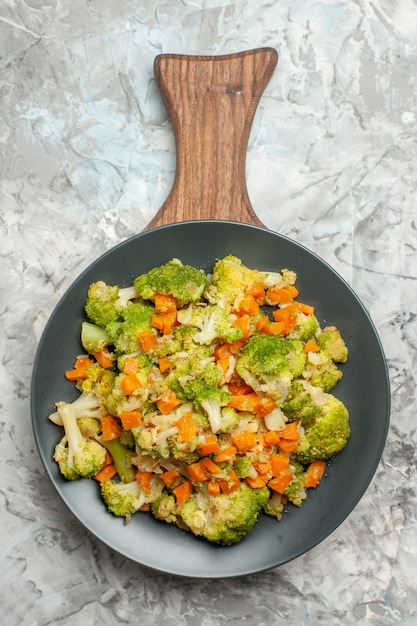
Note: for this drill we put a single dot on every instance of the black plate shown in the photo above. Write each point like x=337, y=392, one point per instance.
x=364, y=389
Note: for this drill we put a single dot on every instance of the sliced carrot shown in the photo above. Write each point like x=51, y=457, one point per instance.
x=239, y=388
x=282, y=295
x=287, y=445
x=104, y=358
x=265, y=406
x=287, y=315
x=209, y=446
x=256, y=483
x=290, y=431
x=164, y=303
x=183, y=492
x=170, y=477
x=222, y=351
x=257, y=291
x=211, y=466
x=263, y=467
x=226, y=455
x=213, y=488
x=236, y=346
x=81, y=367
x=232, y=483
x=247, y=402
x=129, y=383
x=144, y=480
x=131, y=419
x=274, y=328
x=198, y=471
x=280, y=483
x=279, y=463
x=271, y=438
x=110, y=427
x=187, y=428
x=261, y=323
x=311, y=346
x=164, y=365
x=168, y=403
x=148, y=340
x=243, y=323
x=107, y=472
x=130, y=365
x=244, y=440
x=247, y=306
x=164, y=322
x=314, y=473
x=223, y=364
x=307, y=309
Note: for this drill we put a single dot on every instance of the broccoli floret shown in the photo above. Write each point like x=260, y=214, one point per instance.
x=269, y=363
x=105, y=303
x=192, y=370
x=185, y=283
x=243, y=466
x=274, y=506
x=124, y=499
x=213, y=322
x=229, y=281
x=85, y=405
x=321, y=371
x=99, y=382
x=164, y=508
x=125, y=331
x=226, y=518
x=77, y=457
x=305, y=327
x=299, y=404
x=295, y=491
x=327, y=435
x=331, y=341
x=89, y=426
x=118, y=400
x=94, y=338
x=213, y=402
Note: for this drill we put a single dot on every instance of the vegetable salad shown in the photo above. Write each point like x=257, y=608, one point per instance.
x=204, y=399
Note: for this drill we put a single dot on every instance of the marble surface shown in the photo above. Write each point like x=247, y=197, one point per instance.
x=332, y=163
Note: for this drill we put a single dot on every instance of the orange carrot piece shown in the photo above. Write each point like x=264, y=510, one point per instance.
x=236, y=346
x=287, y=315
x=247, y=402
x=168, y=403
x=247, y=306
x=107, y=472
x=290, y=431
x=226, y=455
x=130, y=365
x=280, y=483
x=244, y=440
x=287, y=445
x=239, y=388
x=209, y=446
x=198, y=471
x=81, y=367
x=164, y=365
x=104, y=358
x=265, y=406
x=282, y=295
x=131, y=419
x=274, y=328
x=271, y=438
x=110, y=427
x=213, y=488
x=232, y=483
x=279, y=463
x=263, y=467
x=144, y=480
x=211, y=466
x=243, y=323
x=256, y=483
x=164, y=322
x=314, y=473
x=129, y=383
x=257, y=291
x=261, y=323
x=311, y=346
x=165, y=303
x=307, y=309
x=183, y=492
x=187, y=428
x=147, y=340
x=170, y=477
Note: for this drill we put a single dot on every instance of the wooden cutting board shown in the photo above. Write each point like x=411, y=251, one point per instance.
x=212, y=102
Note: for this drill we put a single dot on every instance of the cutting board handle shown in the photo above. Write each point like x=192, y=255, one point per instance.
x=212, y=102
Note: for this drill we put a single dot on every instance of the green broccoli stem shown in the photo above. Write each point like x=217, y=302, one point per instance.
x=121, y=457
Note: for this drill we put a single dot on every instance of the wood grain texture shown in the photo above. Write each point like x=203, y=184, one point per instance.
x=212, y=102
